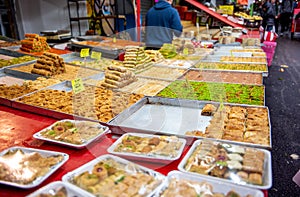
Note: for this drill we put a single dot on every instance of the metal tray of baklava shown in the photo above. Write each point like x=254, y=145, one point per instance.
x=63, y=86
x=75, y=59
x=218, y=72
x=264, y=73
x=157, y=115
x=9, y=78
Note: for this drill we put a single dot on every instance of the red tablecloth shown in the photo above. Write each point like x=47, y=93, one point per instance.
x=17, y=128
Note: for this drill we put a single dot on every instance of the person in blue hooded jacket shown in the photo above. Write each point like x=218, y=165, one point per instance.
x=162, y=23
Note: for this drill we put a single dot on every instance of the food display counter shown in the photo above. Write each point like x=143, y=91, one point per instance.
x=147, y=121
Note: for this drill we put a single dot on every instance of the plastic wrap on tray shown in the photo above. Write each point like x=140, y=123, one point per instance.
x=149, y=147
x=181, y=185
x=57, y=189
x=31, y=166
x=109, y=175
x=73, y=133
x=230, y=163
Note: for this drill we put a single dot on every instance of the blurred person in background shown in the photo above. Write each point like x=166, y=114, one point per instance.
x=285, y=15
x=162, y=23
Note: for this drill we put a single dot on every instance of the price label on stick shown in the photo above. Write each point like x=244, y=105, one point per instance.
x=77, y=85
x=96, y=55
x=114, y=40
x=85, y=52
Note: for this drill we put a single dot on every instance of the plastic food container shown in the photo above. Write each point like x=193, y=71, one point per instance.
x=107, y=174
x=136, y=146
x=31, y=152
x=57, y=187
x=229, y=163
x=76, y=137
x=190, y=184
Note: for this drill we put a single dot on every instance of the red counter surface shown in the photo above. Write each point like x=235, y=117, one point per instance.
x=17, y=128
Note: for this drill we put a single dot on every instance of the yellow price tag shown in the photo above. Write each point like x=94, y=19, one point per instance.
x=96, y=55
x=77, y=85
x=85, y=52
x=114, y=40
x=185, y=51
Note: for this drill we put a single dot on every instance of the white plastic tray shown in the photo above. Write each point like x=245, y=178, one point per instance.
x=267, y=168
x=147, y=157
x=53, y=187
x=102, y=131
x=218, y=186
x=44, y=153
x=130, y=168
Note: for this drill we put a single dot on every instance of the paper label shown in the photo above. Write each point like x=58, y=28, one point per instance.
x=77, y=85
x=96, y=55
x=114, y=40
x=85, y=52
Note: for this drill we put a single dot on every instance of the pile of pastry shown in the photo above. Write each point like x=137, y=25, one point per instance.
x=135, y=58
x=49, y=64
x=117, y=77
x=34, y=43
x=154, y=55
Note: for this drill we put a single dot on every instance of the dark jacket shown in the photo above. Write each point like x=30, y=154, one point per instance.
x=287, y=6
x=162, y=22
x=268, y=14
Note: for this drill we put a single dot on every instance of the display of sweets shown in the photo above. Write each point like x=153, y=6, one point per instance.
x=49, y=64
x=135, y=58
x=34, y=43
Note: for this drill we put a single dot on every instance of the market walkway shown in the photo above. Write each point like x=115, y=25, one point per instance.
x=283, y=100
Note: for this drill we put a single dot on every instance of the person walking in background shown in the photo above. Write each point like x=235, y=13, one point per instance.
x=162, y=23
x=285, y=15
x=276, y=7
x=268, y=15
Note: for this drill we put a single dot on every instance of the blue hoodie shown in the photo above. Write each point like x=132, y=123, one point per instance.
x=162, y=22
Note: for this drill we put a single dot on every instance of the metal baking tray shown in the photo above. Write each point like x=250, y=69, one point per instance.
x=151, y=156
x=181, y=64
x=65, y=86
x=223, y=71
x=166, y=116
x=147, y=87
x=130, y=168
x=162, y=115
x=155, y=73
x=195, y=92
x=53, y=187
x=102, y=131
x=112, y=53
x=9, y=76
x=264, y=73
x=11, y=53
x=92, y=38
x=44, y=153
x=267, y=167
x=81, y=70
x=217, y=186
